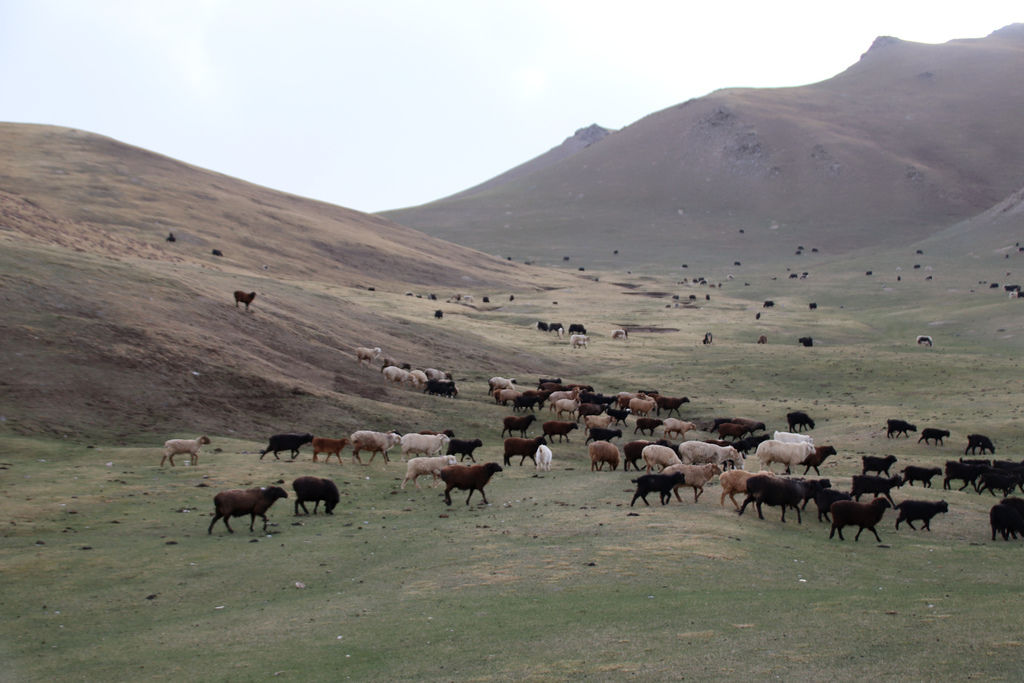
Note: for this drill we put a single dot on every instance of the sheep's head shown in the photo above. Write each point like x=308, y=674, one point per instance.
x=204, y=439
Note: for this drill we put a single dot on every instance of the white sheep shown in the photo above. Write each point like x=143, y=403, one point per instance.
x=191, y=446
x=501, y=383
x=427, y=444
x=543, y=458
x=788, y=454
x=417, y=379
x=676, y=426
x=792, y=437
x=700, y=452
x=432, y=466
x=566, y=405
x=375, y=442
x=663, y=456
x=395, y=374
x=367, y=354
x=578, y=341
x=620, y=334
x=434, y=373
x=696, y=477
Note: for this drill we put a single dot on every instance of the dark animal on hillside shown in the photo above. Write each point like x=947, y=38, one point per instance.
x=439, y=314
x=441, y=387
x=1005, y=520
x=217, y=252
x=603, y=434
x=286, y=442
x=768, y=303
x=922, y=510
x=558, y=428
x=670, y=403
x=878, y=486
x=864, y=515
x=517, y=424
x=632, y=452
x=762, y=339
x=525, y=448
x=751, y=425
x=243, y=298
x=817, y=457
x=979, y=441
x=468, y=477
x=463, y=448
x=798, y=419
x=932, y=434
x=1016, y=503
x=893, y=429
x=315, y=489
x=806, y=341
x=647, y=424
x=924, y=340
x=589, y=409
x=557, y=328
x=577, y=328
x=965, y=471
x=768, y=489
x=599, y=399
x=912, y=473
x=170, y=237
x=548, y=380
x=238, y=502
x=733, y=430
x=824, y=498
x=707, y=338
x=542, y=326
x=813, y=306
x=874, y=463
x=618, y=416
x=662, y=483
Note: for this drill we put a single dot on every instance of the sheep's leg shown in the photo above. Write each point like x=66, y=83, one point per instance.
x=217, y=516
x=834, y=530
x=761, y=516
x=696, y=492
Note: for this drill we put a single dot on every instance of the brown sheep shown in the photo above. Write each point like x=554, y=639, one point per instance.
x=525, y=448
x=242, y=297
x=670, y=403
x=238, y=502
x=468, y=477
x=645, y=424
x=513, y=423
x=558, y=428
x=328, y=446
x=733, y=482
x=736, y=431
x=602, y=452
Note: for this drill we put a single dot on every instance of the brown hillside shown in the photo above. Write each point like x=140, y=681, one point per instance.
x=910, y=139
x=111, y=331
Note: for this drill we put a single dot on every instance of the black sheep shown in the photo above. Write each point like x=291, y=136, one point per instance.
x=286, y=442
x=315, y=489
x=824, y=498
x=932, y=434
x=976, y=441
x=463, y=448
x=874, y=463
x=775, y=491
x=662, y=483
x=879, y=486
x=798, y=419
x=864, y=515
x=912, y=473
x=965, y=471
x=603, y=434
x=1005, y=520
x=893, y=429
x=922, y=510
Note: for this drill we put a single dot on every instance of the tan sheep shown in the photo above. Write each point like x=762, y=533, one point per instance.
x=173, y=447
x=696, y=477
x=417, y=467
x=733, y=482
x=678, y=427
x=662, y=456
x=367, y=354
x=597, y=421
x=375, y=442
x=602, y=452
x=642, y=406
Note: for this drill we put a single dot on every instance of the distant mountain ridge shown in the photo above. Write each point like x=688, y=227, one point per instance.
x=908, y=140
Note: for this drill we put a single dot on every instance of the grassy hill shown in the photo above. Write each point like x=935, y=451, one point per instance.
x=910, y=139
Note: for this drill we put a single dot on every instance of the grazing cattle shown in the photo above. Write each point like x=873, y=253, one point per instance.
x=244, y=298
x=896, y=427
x=932, y=434
x=542, y=326
x=798, y=419
x=806, y=341
x=578, y=341
x=976, y=441
x=924, y=340
x=577, y=328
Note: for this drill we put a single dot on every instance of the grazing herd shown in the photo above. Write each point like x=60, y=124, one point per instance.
x=689, y=462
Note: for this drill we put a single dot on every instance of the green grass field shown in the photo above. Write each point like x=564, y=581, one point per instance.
x=109, y=573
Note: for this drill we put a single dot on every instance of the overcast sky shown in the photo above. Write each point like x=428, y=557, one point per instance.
x=383, y=104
